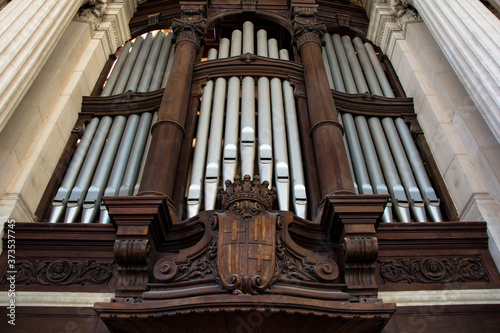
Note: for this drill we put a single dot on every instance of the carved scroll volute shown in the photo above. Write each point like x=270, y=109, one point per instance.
x=246, y=255
x=351, y=221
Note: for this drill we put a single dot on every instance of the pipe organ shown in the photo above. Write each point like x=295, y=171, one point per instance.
x=382, y=154
x=273, y=145
x=247, y=125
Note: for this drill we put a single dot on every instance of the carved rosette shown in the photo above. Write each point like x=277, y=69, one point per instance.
x=306, y=28
x=433, y=270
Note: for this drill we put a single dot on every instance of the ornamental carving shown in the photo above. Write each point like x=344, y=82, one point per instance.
x=246, y=256
x=307, y=31
x=190, y=30
x=63, y=272
x=433, y=270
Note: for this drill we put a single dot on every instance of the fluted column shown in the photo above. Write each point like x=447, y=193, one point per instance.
x=169, y=131
x=29, y=31
x=326, y=132
x=469, y=35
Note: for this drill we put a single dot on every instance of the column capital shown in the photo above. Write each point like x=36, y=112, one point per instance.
x=307, y=31
x=191, y=26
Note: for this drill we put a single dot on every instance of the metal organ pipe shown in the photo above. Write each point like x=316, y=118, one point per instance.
x=136, y=156
x=231, y=133
x=94, y=193
x=144, y=157
x=382, y=79
x=118, y=171
x=159, y=71
x=247, y=134
x=128, y=66
x=262, y=43
x=430, y=198
x=365, y=62
x=336, y=73
x=404, y=168
x=213, y=167
x=373, y=164
x=348, y=155
x=168, y=69
x=78, y=192
x=327, y=67
x=236, y=38
x=113, y=77
x=154, y=53
x=359, y=79
x=61, y=197
x=224, y=48
x=398, y=196
x=272, y=45
x=265, y=131
x=350, y=85
x=248, y=39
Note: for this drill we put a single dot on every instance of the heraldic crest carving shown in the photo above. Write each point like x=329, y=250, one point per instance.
x=246, y=257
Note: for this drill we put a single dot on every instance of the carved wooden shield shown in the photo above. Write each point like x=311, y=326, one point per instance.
x=246, y=251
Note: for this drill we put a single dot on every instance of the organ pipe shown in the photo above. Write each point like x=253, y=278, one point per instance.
x=151, y=63
x=347, y=76
x=78, y=192
x=248, y=39
x=146, y=149
x=364, y=60
x=135, y=76
x=265, y=131
x=236, y=38
x=113, y=77
x=61, y=197
x=356, y=71
x=334, y=66
x=231, y=129
x=128, y=67
x=382, y=79
x=262, y=43
x=247, y=134
x=163, y=57
x=94, y=193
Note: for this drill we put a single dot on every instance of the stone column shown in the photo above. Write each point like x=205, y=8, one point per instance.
x=469, y=35
x=169, y=131
x=29, y=32
x=326, y=132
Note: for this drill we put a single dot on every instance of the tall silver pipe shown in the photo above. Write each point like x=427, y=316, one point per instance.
x=213, y=168
x=115, y=74
x=262, y=43
x=224, y=46
x=272, y=48
x=281, y=169
x=78, y=192
x=333, y=61
x=327, y=68
x=248, y=38
x=135, y=76
x=430, y=198
x=92, y=200
x=359, y=79
x=236, y=39
x=349, y=160
x=382, y=79
x=61, y=198
x=230, y=159
x=247, y=135
x=200, y=151
x=265, y=131
x=412, y=192
x=350, y=85
x=296, y=169
x=364, y=60
x=136, y=155
x=128, y=66
x=162, y=63
x=145, y=155
x=168, y=69
x=373, y=164
x=118, y=171
x=149, y=68
x=398, y=197
x=358, y=160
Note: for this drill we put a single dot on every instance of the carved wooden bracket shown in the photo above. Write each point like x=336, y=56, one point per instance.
x=141, y=226
x=351, y=222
